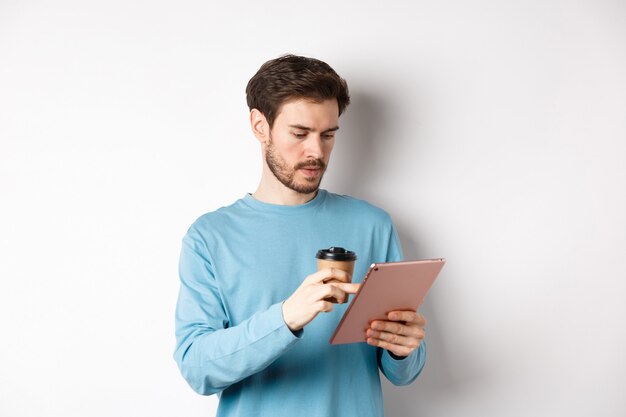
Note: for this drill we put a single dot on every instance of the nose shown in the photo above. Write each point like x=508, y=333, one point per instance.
x=314, y=147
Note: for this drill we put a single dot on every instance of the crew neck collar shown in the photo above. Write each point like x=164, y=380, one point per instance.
x=283, y=209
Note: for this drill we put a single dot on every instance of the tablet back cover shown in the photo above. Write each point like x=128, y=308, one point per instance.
x=386, y=287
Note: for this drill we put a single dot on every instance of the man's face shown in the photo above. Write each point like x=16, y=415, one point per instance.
x=300, y=143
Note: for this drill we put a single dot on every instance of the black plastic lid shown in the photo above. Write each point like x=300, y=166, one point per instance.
x=336, y=254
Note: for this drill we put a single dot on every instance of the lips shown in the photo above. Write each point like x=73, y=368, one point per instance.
x=311, y=172
x=311, y=168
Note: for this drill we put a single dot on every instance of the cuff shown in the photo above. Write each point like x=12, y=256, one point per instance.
x=276, y=320
x=403, y=370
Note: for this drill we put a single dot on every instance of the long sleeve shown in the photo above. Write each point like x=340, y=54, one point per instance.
x=402, y=371
x=406, y=370
x=211, y=353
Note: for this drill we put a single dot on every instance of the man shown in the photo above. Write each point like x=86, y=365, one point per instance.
x=254, y=318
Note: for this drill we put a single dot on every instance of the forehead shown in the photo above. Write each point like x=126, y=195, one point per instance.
x=318, y=115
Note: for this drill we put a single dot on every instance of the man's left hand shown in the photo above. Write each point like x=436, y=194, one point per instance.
x=401, y=333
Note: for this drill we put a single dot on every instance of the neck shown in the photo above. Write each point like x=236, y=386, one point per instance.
x=272, y=191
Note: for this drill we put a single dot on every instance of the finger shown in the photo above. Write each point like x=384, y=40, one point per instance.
x=402, y=315
x=331, y=291
x=408, y=333
x=341, y=291
x=326, y=274
x=409, y=317
x=395, y=339
x=396, y=328
x=324, y=306
x=316, y=277
x=347, y=288
x=337, y=275
x=395, y=349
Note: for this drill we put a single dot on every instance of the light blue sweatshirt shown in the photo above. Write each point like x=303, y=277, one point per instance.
x=238, y=264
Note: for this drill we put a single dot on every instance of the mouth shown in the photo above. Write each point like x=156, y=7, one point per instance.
x=311, y=171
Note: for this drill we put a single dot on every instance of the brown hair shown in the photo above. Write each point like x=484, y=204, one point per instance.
x=292, y=77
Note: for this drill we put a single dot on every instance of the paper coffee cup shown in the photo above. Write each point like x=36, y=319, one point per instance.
x=338, y=258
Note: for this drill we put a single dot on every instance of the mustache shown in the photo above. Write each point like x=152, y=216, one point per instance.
x=314, y=163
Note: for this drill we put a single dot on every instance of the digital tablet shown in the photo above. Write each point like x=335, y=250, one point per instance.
x=388, y=286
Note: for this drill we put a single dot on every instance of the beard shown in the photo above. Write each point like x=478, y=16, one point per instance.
x=287, y=175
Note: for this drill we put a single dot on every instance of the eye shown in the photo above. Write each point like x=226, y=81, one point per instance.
x=328, y=136
x=299, y=135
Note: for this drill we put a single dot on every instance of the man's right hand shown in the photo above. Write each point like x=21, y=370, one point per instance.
x=312, y=296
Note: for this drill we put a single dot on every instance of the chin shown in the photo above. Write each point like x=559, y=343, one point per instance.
x=306, y=188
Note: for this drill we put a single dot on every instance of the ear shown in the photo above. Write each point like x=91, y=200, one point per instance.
x=259, y=125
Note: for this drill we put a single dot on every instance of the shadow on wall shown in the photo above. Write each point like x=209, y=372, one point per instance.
x=437, y=381
x=358, y=162
x=354, y=164
x=453, y=373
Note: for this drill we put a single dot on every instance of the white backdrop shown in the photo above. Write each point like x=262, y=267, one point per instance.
x=493, y=132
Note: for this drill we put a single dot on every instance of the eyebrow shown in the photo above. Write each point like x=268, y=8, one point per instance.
x=308, y=129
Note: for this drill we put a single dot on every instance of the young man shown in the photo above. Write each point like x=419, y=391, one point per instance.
x=253, y=319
